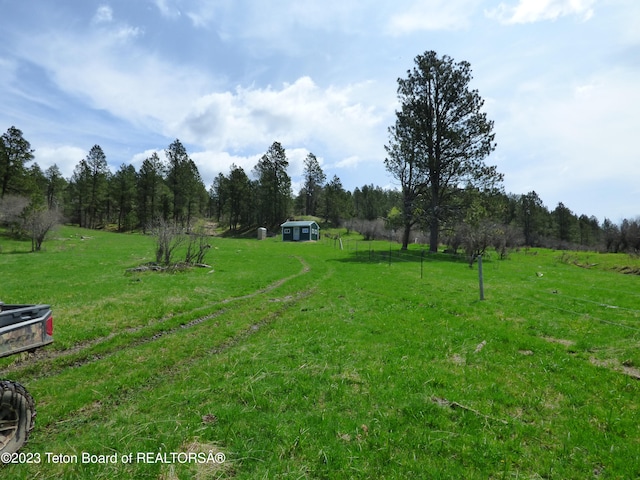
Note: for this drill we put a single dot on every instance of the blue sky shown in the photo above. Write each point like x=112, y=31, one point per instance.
x=560, y=79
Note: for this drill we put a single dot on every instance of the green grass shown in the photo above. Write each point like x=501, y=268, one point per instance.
x=307, y=361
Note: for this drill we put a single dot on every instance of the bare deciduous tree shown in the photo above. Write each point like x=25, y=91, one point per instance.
x=38, y=223
x=11, y=208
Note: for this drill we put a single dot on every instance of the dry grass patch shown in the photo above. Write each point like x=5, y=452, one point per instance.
x=561, y=341
x=617, y=366
x=458, y=359
x=213, y=467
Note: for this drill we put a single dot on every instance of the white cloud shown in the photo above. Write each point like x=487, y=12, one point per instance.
x=573, y=143
x=433, y=15
x=210, y=163
x=349, y=162
x=271, y=21
x=65, y=157
x=138, y=158
x=108, y=71
x=238, y=127
x=104, y=14
x=530, y=11
x=595, y=122
x=298, y=114
x=295, y=157
x=167, y=9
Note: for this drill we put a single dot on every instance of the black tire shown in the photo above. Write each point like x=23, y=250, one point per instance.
x=17, y=416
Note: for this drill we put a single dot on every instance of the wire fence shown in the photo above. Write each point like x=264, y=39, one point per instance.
x=376, y=251
x=379, y=252
x=392, y=253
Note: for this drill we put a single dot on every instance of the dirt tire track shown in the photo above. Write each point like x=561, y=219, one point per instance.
x=51, y=355
x=171, y=371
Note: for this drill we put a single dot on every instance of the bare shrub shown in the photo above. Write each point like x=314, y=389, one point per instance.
x=38, y=222
x=505, y=238
x=371, y=229
x=168, y=237
x=197, y=247
x=478, y=237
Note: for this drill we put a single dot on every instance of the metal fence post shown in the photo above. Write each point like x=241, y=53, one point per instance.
x=480, y=279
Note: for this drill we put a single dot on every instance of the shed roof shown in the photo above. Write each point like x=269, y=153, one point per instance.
x=299, y=223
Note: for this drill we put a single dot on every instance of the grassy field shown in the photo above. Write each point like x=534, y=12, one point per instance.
x=308, y=361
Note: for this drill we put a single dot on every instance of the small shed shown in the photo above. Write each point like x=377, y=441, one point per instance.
x=300, y=231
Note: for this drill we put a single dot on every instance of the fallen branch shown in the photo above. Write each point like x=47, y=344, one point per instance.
x=584, y=265
x=154, y=267
x=443, y=402
x=146, y=268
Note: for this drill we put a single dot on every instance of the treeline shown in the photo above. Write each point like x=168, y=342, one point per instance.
x=237, y=200
x=169, y=188
x=507, y=220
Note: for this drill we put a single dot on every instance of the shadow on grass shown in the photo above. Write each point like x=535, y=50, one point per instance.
x=381, y=255
x=248, y=232
x=15, y=243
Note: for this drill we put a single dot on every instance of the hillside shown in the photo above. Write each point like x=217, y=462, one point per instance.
x=308, y=361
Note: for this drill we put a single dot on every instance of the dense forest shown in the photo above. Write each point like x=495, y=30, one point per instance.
x=169, y=188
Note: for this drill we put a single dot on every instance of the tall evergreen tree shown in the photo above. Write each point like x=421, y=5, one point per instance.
x=189, y=196
x=35, y=183
x=274, y=186
x=372, y=202
x=530, y=217
x=314, y=179
x=335, y=201
x=611, y=236
x=177, y=171
x=15, y=153
x=56, y=185
x=565, y=222
x=123, y=194
x=439, y=141
x=218, y=197
x=195, y=194
x=79, y=193
x=97, y=207
x=405, y=162
x=238, y=190
x=630, y=235
x=150, y=187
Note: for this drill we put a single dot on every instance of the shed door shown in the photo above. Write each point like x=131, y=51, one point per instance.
x=296, y=234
